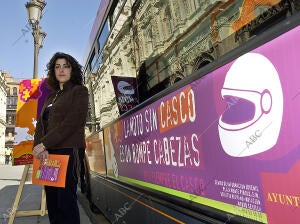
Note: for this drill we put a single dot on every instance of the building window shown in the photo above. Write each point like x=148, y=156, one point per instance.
x=15, y=91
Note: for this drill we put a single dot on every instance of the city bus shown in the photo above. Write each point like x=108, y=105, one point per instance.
x=194, y=107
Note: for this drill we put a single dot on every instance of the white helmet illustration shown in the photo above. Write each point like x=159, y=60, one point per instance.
x=251, y=122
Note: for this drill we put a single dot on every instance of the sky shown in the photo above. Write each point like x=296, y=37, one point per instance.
x=67, y=24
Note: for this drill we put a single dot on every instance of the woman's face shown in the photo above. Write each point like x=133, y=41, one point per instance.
x=62, y=70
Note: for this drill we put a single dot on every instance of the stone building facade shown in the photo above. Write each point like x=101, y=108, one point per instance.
x=3, y=88
x=11, y=109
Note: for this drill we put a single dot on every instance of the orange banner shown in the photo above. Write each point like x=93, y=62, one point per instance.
x=31, y=96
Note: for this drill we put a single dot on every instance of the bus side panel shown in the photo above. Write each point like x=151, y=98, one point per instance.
x=226, y=140
x=123, y=205
x=98, y=196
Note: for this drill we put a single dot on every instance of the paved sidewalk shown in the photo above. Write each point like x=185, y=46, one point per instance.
x=10, y=177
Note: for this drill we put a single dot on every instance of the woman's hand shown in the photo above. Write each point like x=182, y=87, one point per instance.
x=38, y=149
x=43, y=156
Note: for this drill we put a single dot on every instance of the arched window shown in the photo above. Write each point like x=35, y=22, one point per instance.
x=15, y=91
x=168, y=20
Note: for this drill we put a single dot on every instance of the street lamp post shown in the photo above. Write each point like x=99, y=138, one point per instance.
x=34, y=9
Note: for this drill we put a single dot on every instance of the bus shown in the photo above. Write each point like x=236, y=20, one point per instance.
x=194, y=107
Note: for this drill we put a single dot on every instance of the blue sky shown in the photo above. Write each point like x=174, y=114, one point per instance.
x=67, y=23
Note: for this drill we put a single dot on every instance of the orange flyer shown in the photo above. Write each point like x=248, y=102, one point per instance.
x=52, y=172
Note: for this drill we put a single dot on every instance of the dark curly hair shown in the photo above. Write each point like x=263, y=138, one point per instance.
x=76, y=74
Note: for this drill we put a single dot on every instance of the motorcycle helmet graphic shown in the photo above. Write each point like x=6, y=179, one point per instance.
x=251, y=122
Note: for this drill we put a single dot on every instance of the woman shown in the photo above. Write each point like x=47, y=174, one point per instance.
x=60, y=130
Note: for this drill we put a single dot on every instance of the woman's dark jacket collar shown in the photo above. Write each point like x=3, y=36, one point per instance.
x=68, y=85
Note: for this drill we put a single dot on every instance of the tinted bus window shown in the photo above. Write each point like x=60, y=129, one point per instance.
x=95, y=153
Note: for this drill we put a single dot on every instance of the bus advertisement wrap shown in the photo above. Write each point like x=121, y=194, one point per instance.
x=226, y=140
